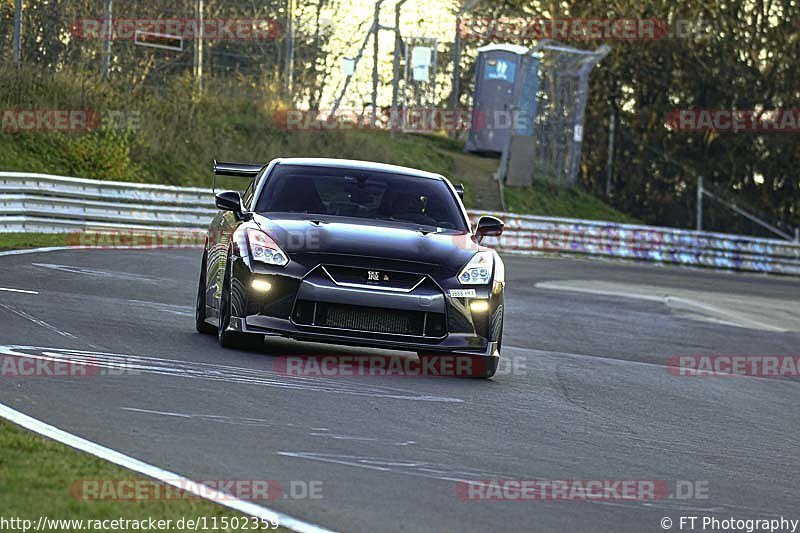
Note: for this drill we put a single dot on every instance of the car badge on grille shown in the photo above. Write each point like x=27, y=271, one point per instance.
x=373, y=275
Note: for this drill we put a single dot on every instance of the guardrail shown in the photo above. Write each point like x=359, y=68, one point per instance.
x=535, y=234
x=45, y=203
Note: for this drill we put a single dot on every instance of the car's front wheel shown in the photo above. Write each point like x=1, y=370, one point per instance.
x=233, y=339
x=200, y=306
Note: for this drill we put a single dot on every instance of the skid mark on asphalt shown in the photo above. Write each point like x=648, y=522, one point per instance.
x=135, y=364
x=108, y=274
x=260, y=422
x=459, y=474
x=768, y=314
x=376, y=440
x=182, y=310
x=408, y=468
x=37, y=321
x=233, y=420
x=670, y=505
x=121, y=306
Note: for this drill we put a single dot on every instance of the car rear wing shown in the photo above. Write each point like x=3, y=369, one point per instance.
x=235, y=170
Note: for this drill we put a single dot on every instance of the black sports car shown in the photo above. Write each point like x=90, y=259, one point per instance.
x=355, y=253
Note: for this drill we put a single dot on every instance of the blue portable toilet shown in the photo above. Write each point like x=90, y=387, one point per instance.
x=504, y=99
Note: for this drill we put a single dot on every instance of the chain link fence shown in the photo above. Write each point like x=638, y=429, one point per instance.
x=60, y=35
x=153, y=42
x=561, y=104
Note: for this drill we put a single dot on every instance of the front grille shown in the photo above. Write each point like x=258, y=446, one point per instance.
x=380, y=279
x=369, y=319
x=372, y=320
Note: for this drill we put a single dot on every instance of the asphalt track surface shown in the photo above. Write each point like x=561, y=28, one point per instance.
x=590, y=398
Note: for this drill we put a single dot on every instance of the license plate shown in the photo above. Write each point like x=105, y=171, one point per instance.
x=463, y=293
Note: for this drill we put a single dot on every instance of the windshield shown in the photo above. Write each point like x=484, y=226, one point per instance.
x=363, y=194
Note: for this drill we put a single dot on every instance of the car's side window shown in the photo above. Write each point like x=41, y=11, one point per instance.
x=247, y=196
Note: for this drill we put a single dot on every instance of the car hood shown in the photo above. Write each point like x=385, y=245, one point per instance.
x=369, y=238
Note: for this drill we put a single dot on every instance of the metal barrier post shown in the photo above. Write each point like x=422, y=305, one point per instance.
x=17, y=31
x=108, y=36
x=699, y=203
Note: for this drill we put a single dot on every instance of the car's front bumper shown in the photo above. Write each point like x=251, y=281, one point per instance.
x=275, y=312
x=284, y=328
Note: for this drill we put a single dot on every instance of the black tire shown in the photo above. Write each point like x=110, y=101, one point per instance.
x=200, y=305
x=493, y=362
x=233, y=339
x=497, y=327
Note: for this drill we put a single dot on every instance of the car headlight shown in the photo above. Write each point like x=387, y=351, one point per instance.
x=478, y=271
x=264, y=249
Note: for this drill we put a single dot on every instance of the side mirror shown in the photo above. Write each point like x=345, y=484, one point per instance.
x=231, y=201
x=489, y=227
x=460, y=190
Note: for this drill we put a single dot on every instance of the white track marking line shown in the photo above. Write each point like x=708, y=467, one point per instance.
x=150, y=412
x=36, y=250
x=37, y=321
x=154, y=472
x=6, y=289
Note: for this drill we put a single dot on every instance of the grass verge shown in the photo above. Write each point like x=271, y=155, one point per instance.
x=104, y=239
x=546, y=199
x=36, y=475
x=17, y=241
